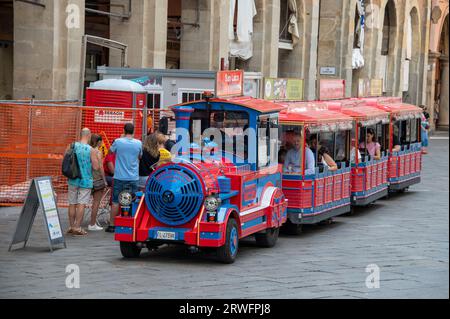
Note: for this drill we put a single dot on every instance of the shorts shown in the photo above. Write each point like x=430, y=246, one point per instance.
x=119, y=186
x=78, y=195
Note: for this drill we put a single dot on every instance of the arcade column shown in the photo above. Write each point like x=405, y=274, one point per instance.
x=145, y=33
x=47, y=49
x=444, y=99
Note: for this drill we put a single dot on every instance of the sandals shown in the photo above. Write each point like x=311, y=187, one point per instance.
x=69, y=231
x=79, y=232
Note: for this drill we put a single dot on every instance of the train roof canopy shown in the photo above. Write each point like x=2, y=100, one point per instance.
x=259, y=105
x=311, y=113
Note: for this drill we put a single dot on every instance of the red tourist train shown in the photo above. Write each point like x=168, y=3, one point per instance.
x=213, y=193
x=247, y=167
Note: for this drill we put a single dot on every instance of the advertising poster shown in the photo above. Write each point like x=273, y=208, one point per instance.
x=283, y=89
x=229, y=83
x=331, y=89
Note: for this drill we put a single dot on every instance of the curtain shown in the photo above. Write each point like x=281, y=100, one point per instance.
x=293, y=22
x=241, y=45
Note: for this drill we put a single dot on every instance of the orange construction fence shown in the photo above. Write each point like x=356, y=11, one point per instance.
x=34, y=137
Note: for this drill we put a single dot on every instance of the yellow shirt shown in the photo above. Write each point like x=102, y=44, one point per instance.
x=164, y=156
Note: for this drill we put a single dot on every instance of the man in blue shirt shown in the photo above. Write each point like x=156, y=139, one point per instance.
x=128, y=152
x=292, y=162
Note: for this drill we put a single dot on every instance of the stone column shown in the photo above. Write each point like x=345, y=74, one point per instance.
x=333, y=43
x=266, y=26
x=431, y=83
x=444, y=100
x=47, y=49
x=310, y=51
x=145, y=33
x=203, y=46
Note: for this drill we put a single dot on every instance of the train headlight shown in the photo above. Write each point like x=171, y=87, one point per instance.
x=212, y=203
x=125, y=198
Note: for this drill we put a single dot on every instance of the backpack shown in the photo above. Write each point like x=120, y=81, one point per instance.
x=70, y=167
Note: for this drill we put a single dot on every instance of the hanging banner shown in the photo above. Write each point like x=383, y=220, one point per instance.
x=229, y=83
x=331, y=89
x=283, y=89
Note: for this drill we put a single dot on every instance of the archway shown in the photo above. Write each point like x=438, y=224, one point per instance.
x=441, y=96
x=388, y=45
x=412, y=57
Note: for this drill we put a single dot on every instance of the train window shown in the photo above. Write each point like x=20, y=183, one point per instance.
x=267, y=141
x=341, y=146
x=414, y=136
x=327, y=139
x=289, y=154
x=225, y=128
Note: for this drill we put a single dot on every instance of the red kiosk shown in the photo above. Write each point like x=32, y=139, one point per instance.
x=117, y=96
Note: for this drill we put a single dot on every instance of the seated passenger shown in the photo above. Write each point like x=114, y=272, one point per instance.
x=281, y=156
x=293, y=158
x=352, y=155
x=371, y=145
x=327, y=160
x=397, y=144
x=313, y=144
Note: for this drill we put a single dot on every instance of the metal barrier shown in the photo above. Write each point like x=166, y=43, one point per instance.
x=34, y=137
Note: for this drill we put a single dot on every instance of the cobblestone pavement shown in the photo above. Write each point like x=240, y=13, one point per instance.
x=407, y=237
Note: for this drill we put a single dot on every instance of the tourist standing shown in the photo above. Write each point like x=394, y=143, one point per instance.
x=128, y=152
x=99, y=181
x=80, y=189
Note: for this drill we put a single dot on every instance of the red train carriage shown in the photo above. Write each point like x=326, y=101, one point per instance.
x=369, y=170
x=314, y=192
x=405, y=160
x=224, y=184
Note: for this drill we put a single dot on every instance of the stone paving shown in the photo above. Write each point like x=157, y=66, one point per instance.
x=407, y=237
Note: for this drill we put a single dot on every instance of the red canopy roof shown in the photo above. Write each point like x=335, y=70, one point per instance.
x=375, y=101
x=397, y=108
x=311, y=113
x=259, y=105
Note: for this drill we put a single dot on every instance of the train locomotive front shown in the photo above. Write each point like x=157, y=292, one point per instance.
x=206, y=203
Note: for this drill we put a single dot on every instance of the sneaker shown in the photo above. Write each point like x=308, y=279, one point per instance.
x=110, y=229
x=94, y=227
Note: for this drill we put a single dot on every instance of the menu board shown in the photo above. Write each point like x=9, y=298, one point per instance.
x=40, y=195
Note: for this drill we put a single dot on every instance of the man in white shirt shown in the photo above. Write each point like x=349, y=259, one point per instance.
x=292, y=163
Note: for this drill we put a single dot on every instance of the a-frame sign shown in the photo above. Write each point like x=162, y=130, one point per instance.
x=40, y=194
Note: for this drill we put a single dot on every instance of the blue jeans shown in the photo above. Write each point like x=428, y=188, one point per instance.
x=142, y=182
x=119, y=186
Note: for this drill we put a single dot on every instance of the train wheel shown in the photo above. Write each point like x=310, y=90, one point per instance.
x=269, y=238
x=289, y=228
x=129, y=250
x=227, y=253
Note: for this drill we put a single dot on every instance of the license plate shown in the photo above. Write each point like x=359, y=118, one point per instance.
x=165, y=235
